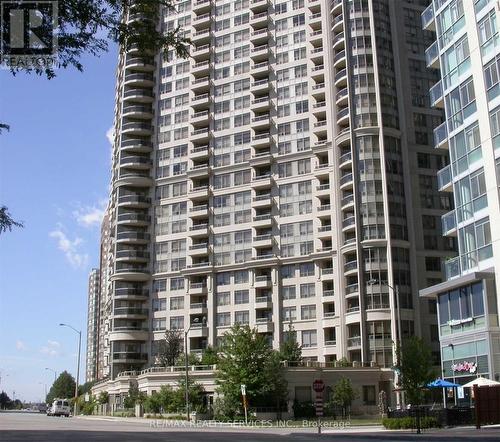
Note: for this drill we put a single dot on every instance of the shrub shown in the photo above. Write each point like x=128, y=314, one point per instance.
x=408, y=423
x=303, y=409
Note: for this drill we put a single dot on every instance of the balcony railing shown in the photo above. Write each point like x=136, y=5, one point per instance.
x=449, y=222
x=440, y=134
x=444, y=177
x=432, y=53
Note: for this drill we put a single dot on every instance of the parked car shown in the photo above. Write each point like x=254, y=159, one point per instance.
x=60, y=407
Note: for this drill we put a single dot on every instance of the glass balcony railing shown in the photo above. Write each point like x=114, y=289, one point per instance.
x=432, y=54
x=448, y=222
x=444, y=177
x=440, y=134
x=428, y=16
x=436, y=93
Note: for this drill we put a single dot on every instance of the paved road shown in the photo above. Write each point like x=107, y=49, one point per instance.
x=28, y=427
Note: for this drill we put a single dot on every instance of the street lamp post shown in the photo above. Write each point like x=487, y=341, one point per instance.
x=53, y=371
x=75, y=407
x=395, y=291
x=186, y=391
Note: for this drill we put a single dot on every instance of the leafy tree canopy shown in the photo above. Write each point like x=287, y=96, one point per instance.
x=62, y=388
x=415, y=367
x=89, y=26
x=6, y=221
x=344, y=394
x=290, y=349
x=170, y=348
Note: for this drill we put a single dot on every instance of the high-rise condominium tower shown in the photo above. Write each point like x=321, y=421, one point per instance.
x=467, y=52
x=283, y=173
x=92, y=325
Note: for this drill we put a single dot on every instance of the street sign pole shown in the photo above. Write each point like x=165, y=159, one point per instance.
x=244, y=394
x=319, y=387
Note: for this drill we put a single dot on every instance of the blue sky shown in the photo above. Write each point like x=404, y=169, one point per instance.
x=54, y=176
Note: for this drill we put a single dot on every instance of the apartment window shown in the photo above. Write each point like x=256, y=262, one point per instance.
x=240, y=276
x=299, y=37
x=282, y=24
x=307, y=290
x=288, y=292
x=299, y=20
x=159, y=324
x=177, y=303
x=284, y=110
x=300, y=71
x=223, y=278
x=491, y=78
x=309, y=338
x=176, y=322
x=287, y=271
x=301, y=107
x=307, y=269
x=289, y=313
x=223, y=298
x=241, y=297
x=308, y=312
x=297, y=4
x=299, y=54
x=242, y=317
x=160, y=285
x=223, y=319
x=159, y=305
x=487, y=27
x=433, y=263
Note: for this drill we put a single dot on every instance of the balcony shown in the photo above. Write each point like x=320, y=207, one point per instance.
x=200, y=101
x=199, y=211
x=130, y=357
x=136, y=129
x=324, y=207
x=328, y=293
x=201, y=69
x=130, y=293
x=343, y=116
x=348, y=223
x=202, y=21
x=441, y=136
x=452, y=268
x=263, y=281
x=200, y=249
x=260, y=86
x=132, y=255
x=198, y=230
x=316, y=36
x=263, y=302
x=198, y=330
x=199, y=192
x=260, y=241
x=315, y=21
x=135, y=161
x=202, y=6
x=436, y=95
x=130, y=311
x=200, y=37
x=138, y=95
x=146, y=64
x=198, y=308
x=347, y=201
x=142, y=79
x=198, y=288
x=336, y=6
x=133, y=219
x=260, y=104
x=351, y=266
x=428, y=18
x=339, y=41
x=259, y=53
x=338, y=23
x=260, y=69
x=199, y=152
x=340, y=78
x=261, y=122
x=259, y=20
x=339, y=60
x=449, y=223
x=432, y=56
x=264, y=325
x=137, y=111
x=200, y=135
x=201, y=85
x=346, y=181
x=133, y=201
x=258, y=5
x=133, y=237
x=355, y=341
x=201, y=53
x=323, y=189
x=131, y=273
x=259, y=37
x=444, y=179
x=263, y=220
x=139, y=145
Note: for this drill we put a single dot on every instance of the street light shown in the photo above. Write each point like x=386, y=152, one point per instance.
x=75, y=407
x=53, y=371
x=186, y=393
x=395, y=291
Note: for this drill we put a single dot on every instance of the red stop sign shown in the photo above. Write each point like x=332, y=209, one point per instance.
x=318, y=385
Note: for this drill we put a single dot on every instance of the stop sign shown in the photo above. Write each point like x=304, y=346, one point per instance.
x=318, y=385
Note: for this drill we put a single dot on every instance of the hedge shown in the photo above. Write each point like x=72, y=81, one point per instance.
x=407, y=423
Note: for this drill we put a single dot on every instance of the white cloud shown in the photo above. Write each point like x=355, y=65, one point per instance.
x=52, y=348
x=70, y=248
x=90, y=216
x=20, y=345
x=110, y=135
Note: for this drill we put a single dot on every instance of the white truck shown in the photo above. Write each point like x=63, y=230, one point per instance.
x=60, y=407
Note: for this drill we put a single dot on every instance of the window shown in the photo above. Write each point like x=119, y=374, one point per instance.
x=307, y=269
x=433, y=263
x=223, y=298
x=242, y=317
x=369, y=395
x=307, y=290
x=159, y=305
x=176, y=322
x=241, y=277
x=223, y=319
x=289, y=313
x=308, y=312
x=299, y=20
x=177, y=303
x=487, y=27
x=309, y=338
x=288, y=292
x=241, y=297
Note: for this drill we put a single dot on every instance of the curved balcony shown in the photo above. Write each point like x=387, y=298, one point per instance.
x=339, y=41
x=146, y=64
x=343, y=116
x=339, y=60
x=136, y=129
x=133, y=219
x=136, y=179
x=135, y=161
x=133, y=201
x=336, y=7
x=137, y=145
x=131, y=273
x=345, y=160
x=346, y=181
x=348, y=223
x=338, y=23
x=350, y=267
x=341, y=97
x=130, y=311
x=352, y=290
x=137, y=111
x=132, y=255
x=130, y=293
x=133, y=237
x=139, y=79
x=340, y=78
x=129, y=333
x=138, y=17
x=138, y=95
x=129, y=358
x=347, y=202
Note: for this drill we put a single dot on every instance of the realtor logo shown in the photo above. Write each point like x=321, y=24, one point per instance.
x=28, y=37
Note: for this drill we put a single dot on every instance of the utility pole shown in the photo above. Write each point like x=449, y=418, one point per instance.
x=75, y=407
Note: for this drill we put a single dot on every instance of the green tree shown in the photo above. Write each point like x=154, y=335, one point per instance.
x=209, y=356
x=290, y=349
x=193, y=359
x=415, y=367
x=196, y=396
x=134, y=397
x=85, y=388
x=245, y=357
x=103, y=398
x=152, y=403
x=170, y=348
x=62, y=388
x=6, y=220
x=343, y=362
x=5, y=401
x=343, y=395
x=89, y=26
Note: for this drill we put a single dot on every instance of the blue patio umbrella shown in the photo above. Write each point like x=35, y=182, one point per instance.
x=441, y=383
